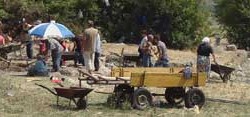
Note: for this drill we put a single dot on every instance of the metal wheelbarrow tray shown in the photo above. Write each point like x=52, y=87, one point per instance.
x=223, y=71
x=77, y=94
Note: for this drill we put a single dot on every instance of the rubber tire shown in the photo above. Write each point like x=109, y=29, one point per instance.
x=190, y=102
x=81, y=104
x=146, y=94
x=170, y=94
x=111, y=101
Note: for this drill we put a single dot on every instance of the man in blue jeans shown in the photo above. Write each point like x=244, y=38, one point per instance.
x=56, y=53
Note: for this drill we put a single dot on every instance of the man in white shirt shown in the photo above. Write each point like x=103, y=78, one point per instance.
x=97, y=52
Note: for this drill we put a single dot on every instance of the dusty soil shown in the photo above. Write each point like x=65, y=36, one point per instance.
x=20, y=97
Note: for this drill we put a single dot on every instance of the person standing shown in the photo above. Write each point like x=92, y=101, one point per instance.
x=89, y=39
x=2, y=39
x=146, y=51
x=78, y=51
x=97, y=52
x=28, y=40
x=56, y=53
x=203, y=52
x=144, y=40
x=162, y=49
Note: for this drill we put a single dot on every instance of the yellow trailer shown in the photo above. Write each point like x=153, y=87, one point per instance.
x=131, y=85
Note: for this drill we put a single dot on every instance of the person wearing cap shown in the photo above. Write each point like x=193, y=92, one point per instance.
x=56, y=53
x=146, y=49
x=203, y=53
x=89, y=42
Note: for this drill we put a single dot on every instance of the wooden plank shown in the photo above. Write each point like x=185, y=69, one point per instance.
x=126, y=72
x=166, y=80
x=202, y=79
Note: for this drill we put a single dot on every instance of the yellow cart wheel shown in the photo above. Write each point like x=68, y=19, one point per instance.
x=142, y=99
x=194, y=97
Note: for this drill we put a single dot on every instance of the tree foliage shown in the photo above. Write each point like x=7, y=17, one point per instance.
x=181, y=23
x=235, y=17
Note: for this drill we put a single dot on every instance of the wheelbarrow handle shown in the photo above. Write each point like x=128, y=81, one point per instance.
x=47, y=89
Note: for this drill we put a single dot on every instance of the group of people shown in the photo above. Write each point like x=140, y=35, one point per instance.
x=152, y=51
x=87, y=50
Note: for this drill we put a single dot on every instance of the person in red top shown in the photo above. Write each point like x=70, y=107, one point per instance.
x=43, y=48
x=2, y=40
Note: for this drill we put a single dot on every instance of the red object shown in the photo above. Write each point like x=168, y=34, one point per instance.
x=42, y=47
x=2, y=40
x=56, y=81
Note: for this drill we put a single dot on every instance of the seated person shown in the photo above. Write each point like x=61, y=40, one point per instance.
x=40, y=68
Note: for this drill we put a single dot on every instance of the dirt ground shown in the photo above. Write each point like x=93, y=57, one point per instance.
x=21, y=97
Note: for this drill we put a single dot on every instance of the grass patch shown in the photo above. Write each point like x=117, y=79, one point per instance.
x=28, y=100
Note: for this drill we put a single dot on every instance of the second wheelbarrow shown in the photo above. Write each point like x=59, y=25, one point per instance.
x=72, y=93
x=223, y=71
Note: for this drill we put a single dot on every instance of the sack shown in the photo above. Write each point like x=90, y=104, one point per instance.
x=187, y=72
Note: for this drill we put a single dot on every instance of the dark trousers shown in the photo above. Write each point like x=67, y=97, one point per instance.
x=96, y=61
x=56, y=59
x=29, y=50
x=79, y=58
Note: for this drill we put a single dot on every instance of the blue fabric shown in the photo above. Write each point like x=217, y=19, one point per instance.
x=146, y=60
x=39, y=30
x=79, y=58
x=162, y=63
x=39, y=69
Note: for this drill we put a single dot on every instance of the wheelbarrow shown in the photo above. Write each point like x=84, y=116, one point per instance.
x=71, y=93
x=223, y=71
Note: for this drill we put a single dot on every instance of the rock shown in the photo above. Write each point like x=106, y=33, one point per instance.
x=231, y=47
x=239, y=68
x=104, y=41
x=248, y=54
x=214, y=75
x=240, y=73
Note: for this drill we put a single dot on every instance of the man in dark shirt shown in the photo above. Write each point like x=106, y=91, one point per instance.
x=78, y=51
x=203, y=61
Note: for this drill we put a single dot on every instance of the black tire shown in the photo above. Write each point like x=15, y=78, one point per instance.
x=111, y=101
x=123, y=94
x=175, y=95
x=142, y=99
x=81, y=104
x=194, y=97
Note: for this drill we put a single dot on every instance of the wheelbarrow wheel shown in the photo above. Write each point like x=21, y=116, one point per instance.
x=142, y=99
x=81, y=104
x=194, y=97
x=175, y=95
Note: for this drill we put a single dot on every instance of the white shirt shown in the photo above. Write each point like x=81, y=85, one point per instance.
x=144, y=40
x=98, y=44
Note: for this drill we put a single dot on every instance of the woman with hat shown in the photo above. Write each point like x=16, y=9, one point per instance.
x=203, y=53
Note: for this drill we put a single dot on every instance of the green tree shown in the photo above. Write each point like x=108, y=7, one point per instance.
x=234, y=15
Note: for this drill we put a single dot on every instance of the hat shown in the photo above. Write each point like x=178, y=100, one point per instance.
x=151, y=36
x=206, y=40
x=90, y=22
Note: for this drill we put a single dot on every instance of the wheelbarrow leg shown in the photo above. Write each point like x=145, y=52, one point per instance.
x=70, y=102
x=57, y=100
